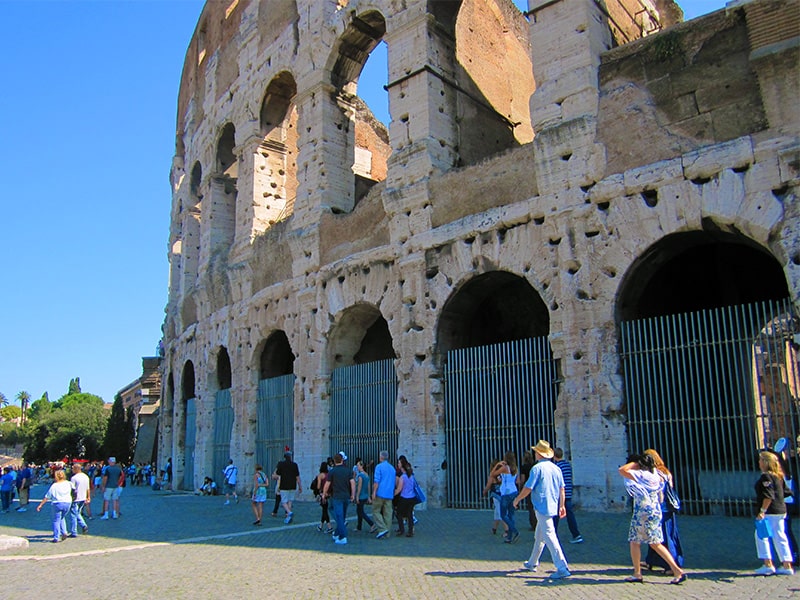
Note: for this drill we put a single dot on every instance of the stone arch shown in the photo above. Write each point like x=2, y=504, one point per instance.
x=190, y=232
x=276, y=160
x=491, y=308
x=223, y=371
x=188, y=381
x=361, y=335
x=276, y=357
x=365, y=140
x=221, y=211
x=697, y=270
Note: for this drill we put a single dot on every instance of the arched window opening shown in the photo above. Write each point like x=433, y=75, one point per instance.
x=222, y=208
x=224, y=376
x=226, y=159
x=276, y=162
x=367, y=138
x=187, y=383
x=276, y=358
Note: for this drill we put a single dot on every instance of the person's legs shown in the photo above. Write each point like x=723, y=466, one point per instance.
x=780, y=540
x=56, y=516
x=538, y=540
x=636, y=559
x=507, y=513
x=662, y=551
x=552, y=543
x=381, y=512
x=72, y=526
x=572, y=522
x=339, y=516
x=277, y=504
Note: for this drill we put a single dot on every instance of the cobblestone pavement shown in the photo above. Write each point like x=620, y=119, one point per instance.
x=176, y=545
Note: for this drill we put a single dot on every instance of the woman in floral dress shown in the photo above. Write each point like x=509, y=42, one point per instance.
x=644, y=485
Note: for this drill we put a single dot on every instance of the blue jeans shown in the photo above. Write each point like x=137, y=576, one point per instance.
x=60, y=510
x=339, y=515
x=572, y=523
x=6, y=497
x=75, y=517
x=362, y=516
x=507, y=513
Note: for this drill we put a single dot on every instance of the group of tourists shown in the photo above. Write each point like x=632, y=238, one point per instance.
x=393, y=490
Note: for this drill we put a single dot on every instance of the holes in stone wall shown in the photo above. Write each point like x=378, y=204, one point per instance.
x=650, y=197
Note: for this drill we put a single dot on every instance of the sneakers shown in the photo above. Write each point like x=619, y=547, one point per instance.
x=560, y=574
x=529, y=566
x=104, y=517
x=85, y=529
x=340, y=541
x=113, y=515
x=288, y=518
x=577, y=540
x=227, y=502
x=765, y=570
x=73, y=535
x=512, y=538
x=382, y=534
x=22, y=509
x=782, y=571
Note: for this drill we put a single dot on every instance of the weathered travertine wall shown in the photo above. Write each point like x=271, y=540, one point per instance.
x=677, y=132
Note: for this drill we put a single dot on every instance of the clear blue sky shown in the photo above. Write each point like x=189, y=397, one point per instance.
x=87, y=121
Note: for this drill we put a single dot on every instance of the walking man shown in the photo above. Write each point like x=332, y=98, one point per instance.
x=288, y=474
x=566, y=471
x=80, y=483
x=546, y=488
x=229, y=477
x=24, y=481
x=342, y=488
x=383, y=485
x=110, y=488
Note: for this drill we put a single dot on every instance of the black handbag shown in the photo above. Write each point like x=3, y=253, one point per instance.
x=671, y=498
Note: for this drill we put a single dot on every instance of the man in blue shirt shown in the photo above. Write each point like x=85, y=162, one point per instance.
x=546, y=488
x=566, y=471
x=382, y=494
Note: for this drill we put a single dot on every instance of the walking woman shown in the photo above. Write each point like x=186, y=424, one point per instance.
x=60, y=497
x=492, y=489
x=669, y=522
x=404, y=492
x=506, y=470
x=362, y=496
x=260, y=485
x=770, y=493
x=325, y=519
x=645, y=486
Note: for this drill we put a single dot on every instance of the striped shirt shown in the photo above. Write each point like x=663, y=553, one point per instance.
x=566, y=470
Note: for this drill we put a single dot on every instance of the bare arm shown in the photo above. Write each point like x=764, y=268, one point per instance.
x=625, y=470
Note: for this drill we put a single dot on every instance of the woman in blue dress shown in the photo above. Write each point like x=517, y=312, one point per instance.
x=644, y=485
x=669, y=522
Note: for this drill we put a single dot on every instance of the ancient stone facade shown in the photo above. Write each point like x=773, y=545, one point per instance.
x=574, y=155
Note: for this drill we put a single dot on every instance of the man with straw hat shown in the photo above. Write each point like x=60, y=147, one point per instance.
x=546, y=488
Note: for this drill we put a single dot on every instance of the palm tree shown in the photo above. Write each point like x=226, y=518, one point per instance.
x=3, y=400
x=24, y=398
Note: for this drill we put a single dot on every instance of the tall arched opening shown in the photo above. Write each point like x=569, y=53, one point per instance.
x=189, y=404
x=223, y=413
x=709, y=362
x=363, y=385
x=275, y=404
x=501, y=380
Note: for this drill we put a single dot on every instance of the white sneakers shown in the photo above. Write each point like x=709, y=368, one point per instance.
x=529, y=566
x=765, y=570
x=340, y=541
x=782, y=571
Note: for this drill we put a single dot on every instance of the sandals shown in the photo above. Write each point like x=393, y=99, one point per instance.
x=679, y=580
x=632, y=579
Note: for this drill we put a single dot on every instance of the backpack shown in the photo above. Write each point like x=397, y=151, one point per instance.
x=315, y=486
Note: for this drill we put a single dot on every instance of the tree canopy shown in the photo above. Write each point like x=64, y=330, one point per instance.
x=10, y=412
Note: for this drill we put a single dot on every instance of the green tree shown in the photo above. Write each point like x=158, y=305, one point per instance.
x=24, y=399
x=116, y=439
x=76, y=431
x=39, y=408
x=130, y=432
x=11, y=412
x=3, y=400
x=78, y=398
x=10, y=434
x=74, y=386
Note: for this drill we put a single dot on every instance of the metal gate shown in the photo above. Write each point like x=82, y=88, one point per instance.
x=223, y=426
x=189, y=442
x=497, y=398
x=275, y=421
x=707, y=390
x=363, y=410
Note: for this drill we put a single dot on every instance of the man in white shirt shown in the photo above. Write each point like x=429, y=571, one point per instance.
x=80, y=483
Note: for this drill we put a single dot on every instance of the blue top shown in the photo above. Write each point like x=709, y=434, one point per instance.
x=385, y=478
x=365, y=491
x=7, y=482
x=545, y=482
x=566, y=471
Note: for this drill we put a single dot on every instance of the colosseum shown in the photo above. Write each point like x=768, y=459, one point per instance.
x=580, y=224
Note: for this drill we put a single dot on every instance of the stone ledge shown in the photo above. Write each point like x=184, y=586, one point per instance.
x=12, y=542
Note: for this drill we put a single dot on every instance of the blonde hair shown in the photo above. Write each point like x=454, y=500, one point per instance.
x=60, y=475
x=772, y=463
x=658, y=461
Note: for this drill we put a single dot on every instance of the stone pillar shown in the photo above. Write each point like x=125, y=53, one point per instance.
x=326, y=153
x=422, y=98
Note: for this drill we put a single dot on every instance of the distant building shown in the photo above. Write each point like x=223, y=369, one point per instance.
x=143, y=394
